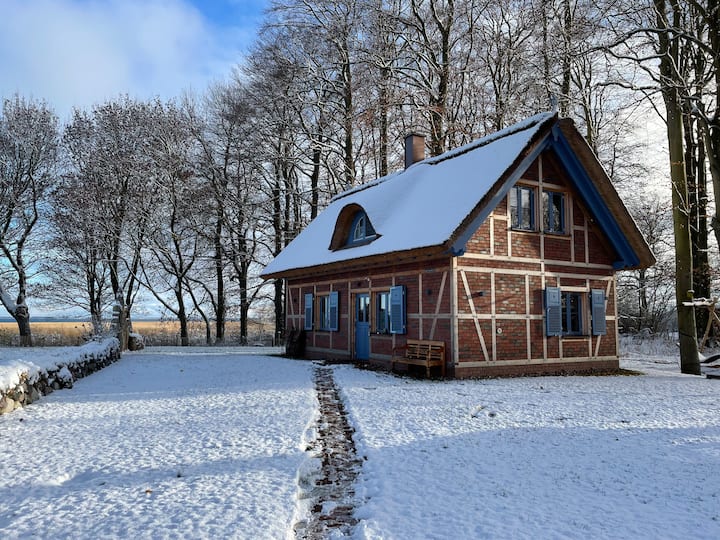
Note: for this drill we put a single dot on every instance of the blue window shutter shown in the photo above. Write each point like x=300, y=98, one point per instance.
x=334, y=311
x=308, y=311
x=553, y=311
x=397, y=310
x=597, y=302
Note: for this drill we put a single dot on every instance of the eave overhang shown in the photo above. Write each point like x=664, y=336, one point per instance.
x=363, y=264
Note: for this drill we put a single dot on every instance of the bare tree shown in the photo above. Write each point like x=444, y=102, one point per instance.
x=78, y=274
x=108, y=159
x=645, y=296
x=651, y=36
x=28, y=152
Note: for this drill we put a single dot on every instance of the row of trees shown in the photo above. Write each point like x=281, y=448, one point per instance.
x=186, y=199
x=129, y=197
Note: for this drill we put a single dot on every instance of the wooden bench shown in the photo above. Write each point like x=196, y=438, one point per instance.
x=420, y=352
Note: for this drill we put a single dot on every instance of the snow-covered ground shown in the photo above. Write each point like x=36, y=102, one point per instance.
x=193, y=443
x=206, y=443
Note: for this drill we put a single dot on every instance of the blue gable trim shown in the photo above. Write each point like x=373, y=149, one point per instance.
x=594, y=201
x=460, y=243
x=577, y=173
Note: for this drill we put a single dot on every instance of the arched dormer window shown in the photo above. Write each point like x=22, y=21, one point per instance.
x=361, y=229
x=353, y=228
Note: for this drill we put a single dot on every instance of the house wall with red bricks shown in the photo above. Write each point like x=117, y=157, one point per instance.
x=501, y=281
x=427, y=300
x=487, y=305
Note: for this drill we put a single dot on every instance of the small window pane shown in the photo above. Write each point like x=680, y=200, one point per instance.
x=359, y=232
x=571, y=314
x=363, y=308
x=324, y=308
x=383, y=313
x=522, y=208
x=553, y=212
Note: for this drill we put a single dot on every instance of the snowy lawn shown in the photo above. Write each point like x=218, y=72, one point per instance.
x=546, y=457
x=191, y=443
x=206, y=443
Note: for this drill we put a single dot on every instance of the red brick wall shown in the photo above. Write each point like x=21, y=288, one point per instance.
x=422, y=282
x=506, y=331
x=506, y=291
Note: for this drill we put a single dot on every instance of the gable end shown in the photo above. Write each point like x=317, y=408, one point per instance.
x=604, y=218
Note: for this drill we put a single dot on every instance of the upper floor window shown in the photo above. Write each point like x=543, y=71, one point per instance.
x=553, y=212
x=352, y=228
x=361, y=229
x=522, y=208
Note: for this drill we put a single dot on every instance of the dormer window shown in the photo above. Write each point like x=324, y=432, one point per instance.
x=353, y=228
x=361, y=229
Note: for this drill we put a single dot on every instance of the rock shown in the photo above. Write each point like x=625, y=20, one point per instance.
x=7, y=404
x=33, y=395
x=135, y=342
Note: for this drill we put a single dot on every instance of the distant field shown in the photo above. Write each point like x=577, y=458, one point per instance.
x=59, y=333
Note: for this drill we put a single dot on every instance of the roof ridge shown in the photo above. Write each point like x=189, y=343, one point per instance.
x=450, y=154
x=491, y=138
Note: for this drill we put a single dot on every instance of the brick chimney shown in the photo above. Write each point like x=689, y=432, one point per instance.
x=414, y=148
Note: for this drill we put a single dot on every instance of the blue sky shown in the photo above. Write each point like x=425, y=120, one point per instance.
x=83, y=52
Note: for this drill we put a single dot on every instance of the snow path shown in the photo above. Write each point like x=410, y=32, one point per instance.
x=546, y=457
x=330, y=491
x=186, y=444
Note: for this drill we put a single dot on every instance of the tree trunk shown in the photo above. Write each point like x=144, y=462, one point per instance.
x=315, y=178
x=643, y=319
x=22, y=317
x=279, y=311
x=349, y=114
x=182, y=319
x=684, y=292
x=219, y=277
x=694, y=172
x=564, y=100
x=669, y=54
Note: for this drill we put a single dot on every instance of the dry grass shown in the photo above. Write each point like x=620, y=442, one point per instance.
x=61, y=333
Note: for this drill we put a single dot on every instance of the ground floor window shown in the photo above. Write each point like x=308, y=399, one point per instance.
x=390, y=309
x=328, y=312
x=382, y=312
x=572, y=306
x=569, y=313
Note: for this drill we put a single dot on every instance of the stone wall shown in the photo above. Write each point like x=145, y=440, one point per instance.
x=35, y=382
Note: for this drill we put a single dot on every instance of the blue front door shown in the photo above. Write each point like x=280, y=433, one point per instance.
x=362, y=327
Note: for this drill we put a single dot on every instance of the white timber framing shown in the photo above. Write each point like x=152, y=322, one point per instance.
x=437, y=305
x=474, y=314
x=454, y=334
x=527, y=316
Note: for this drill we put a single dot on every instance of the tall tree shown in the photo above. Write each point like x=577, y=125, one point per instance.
x=28, y=153
x=668, y=15
x=108, y=159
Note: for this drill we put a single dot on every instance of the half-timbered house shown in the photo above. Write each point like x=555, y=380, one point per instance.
x=504, y=251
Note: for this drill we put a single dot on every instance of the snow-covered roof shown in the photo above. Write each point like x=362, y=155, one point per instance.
x=420, y=207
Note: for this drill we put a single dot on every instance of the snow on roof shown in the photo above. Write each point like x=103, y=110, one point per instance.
x=419, y=207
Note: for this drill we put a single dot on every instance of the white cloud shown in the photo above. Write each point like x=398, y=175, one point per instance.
x=82, y=52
